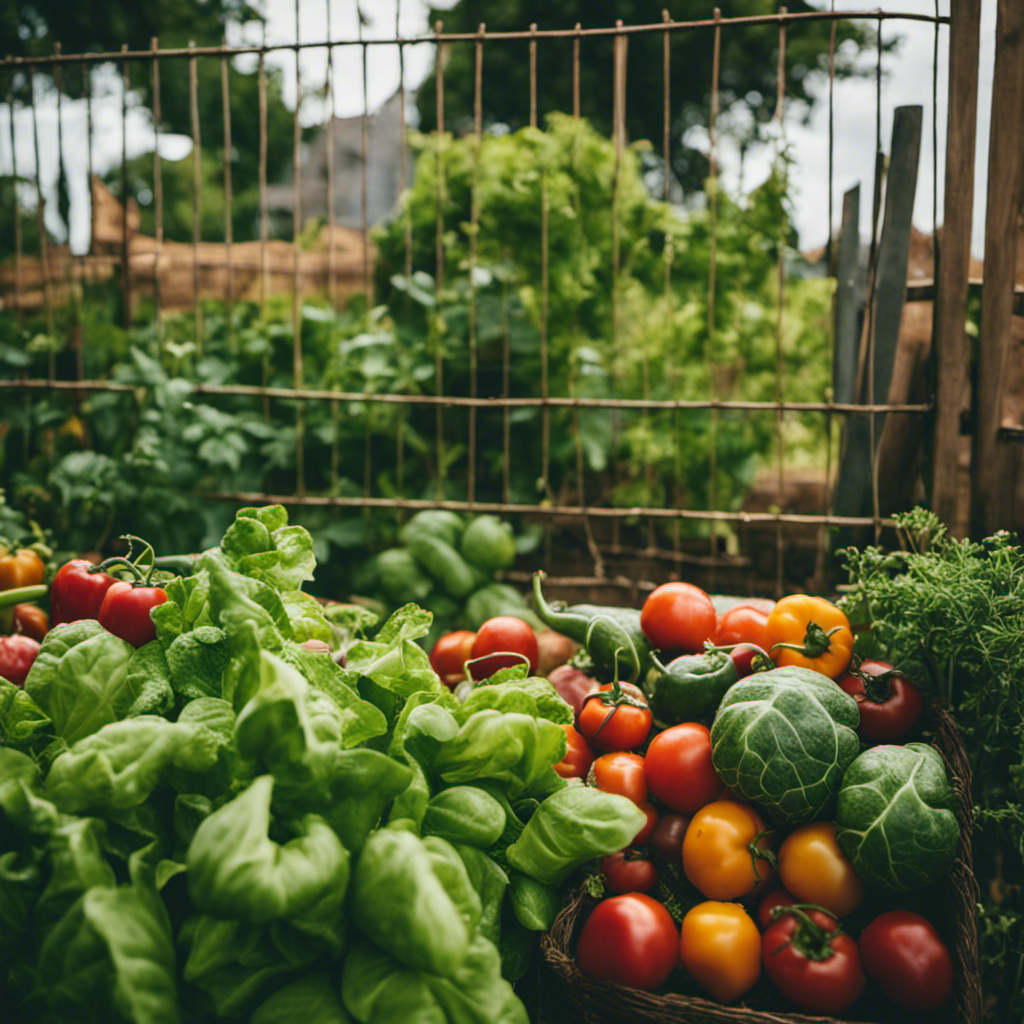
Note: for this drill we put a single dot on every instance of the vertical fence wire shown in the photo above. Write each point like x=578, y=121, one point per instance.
x=225, y=96
x=403, y=185
x=780, y=113
x=672, y=367
x=365, y=234
x=716, y=70
x=69, y=299
x=545, y=413
x=871, y=311
x=158, y=198
x=436, y=320
x=44, y=248
x=618, y=135
x=16, y=202
x=126, y=270
x=332, y=290
x=261, y=86
x=197, y=194
x=297, y=368
x=830, y=275
x=474, y=226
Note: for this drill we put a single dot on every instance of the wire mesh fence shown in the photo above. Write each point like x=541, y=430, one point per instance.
x=506, y=398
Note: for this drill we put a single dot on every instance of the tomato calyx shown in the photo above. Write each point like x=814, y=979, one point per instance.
x=877, y=686
x=614, y=698
x=817, y=641
x=811, y=939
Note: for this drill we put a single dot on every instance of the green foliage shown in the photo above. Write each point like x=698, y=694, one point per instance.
x=747, y=87
x=950, y=613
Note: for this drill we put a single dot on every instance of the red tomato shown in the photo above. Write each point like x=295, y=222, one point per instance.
x=500, y=643
x=77, y=593
x=890, y=704
x=449, y=655
x=578, y=756
x=643, y=836
x=620, y=772
x=776, y=898
x=615, y=726
x=679, y=769
x=814, y=966
x=678, y=617
x=905, y=957
x=668, y=837
x=631, y=940
x=627, y=871
x=743, y=623
x=16, y=656
x=31, y=620
x=125, y=611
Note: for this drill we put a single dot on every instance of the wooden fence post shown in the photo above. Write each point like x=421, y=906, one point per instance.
x=995, y=459
x=952, y=259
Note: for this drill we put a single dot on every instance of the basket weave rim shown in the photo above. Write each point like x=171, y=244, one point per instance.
x=607, y=1001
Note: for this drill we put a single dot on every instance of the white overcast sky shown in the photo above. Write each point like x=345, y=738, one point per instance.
x=908, y=80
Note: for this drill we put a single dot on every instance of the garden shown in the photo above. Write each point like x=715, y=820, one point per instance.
x=420, y=618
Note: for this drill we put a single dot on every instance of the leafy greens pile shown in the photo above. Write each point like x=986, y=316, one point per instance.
x=950, y=614
x=223, y=824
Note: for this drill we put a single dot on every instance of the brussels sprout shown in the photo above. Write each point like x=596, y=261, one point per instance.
x=895, y=819
x=783, y=739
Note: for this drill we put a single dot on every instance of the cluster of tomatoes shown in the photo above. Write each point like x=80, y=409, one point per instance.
x=79, y=590
x=749, y=903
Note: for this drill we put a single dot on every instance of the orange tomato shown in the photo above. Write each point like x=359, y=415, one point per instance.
x=727, y=851
x=814, y=870
x=720, y=947
x=809, y=632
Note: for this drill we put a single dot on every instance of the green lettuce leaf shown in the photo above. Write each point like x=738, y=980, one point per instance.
x=23, y=724
x=235, y=869
x=81, y=679
x=112, y=952
x=120, y=765
x=514, y=749
x=571, y=827
x=313, y=999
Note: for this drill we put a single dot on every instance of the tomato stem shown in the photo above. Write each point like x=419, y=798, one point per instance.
x=762, y=853
x=146, y=550
x=118, y=562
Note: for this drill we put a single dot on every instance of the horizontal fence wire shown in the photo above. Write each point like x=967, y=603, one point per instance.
x=462, y=401
x=141, y=271
x=441, y=37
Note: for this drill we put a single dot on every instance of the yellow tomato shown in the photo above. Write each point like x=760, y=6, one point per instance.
x=809, y=632
x=720, y=947
x=727, y=852
x=814, y=870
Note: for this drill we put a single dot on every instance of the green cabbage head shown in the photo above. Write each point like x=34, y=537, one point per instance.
x=783, y=739
x=895, y=819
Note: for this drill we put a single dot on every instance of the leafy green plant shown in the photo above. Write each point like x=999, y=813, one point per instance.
x=949, y=613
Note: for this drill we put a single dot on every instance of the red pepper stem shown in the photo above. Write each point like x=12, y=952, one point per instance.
x=816, y=641
x=117, y=562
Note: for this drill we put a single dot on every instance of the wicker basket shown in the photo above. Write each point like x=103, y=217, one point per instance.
x=951, y=904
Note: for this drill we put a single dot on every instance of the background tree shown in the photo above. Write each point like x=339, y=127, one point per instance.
x=747, y=86
x=33, y=28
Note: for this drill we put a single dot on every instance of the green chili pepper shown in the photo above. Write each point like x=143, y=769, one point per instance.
x=612, y=636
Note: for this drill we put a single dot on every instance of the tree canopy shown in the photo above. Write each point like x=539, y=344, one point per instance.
x=747, y=81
